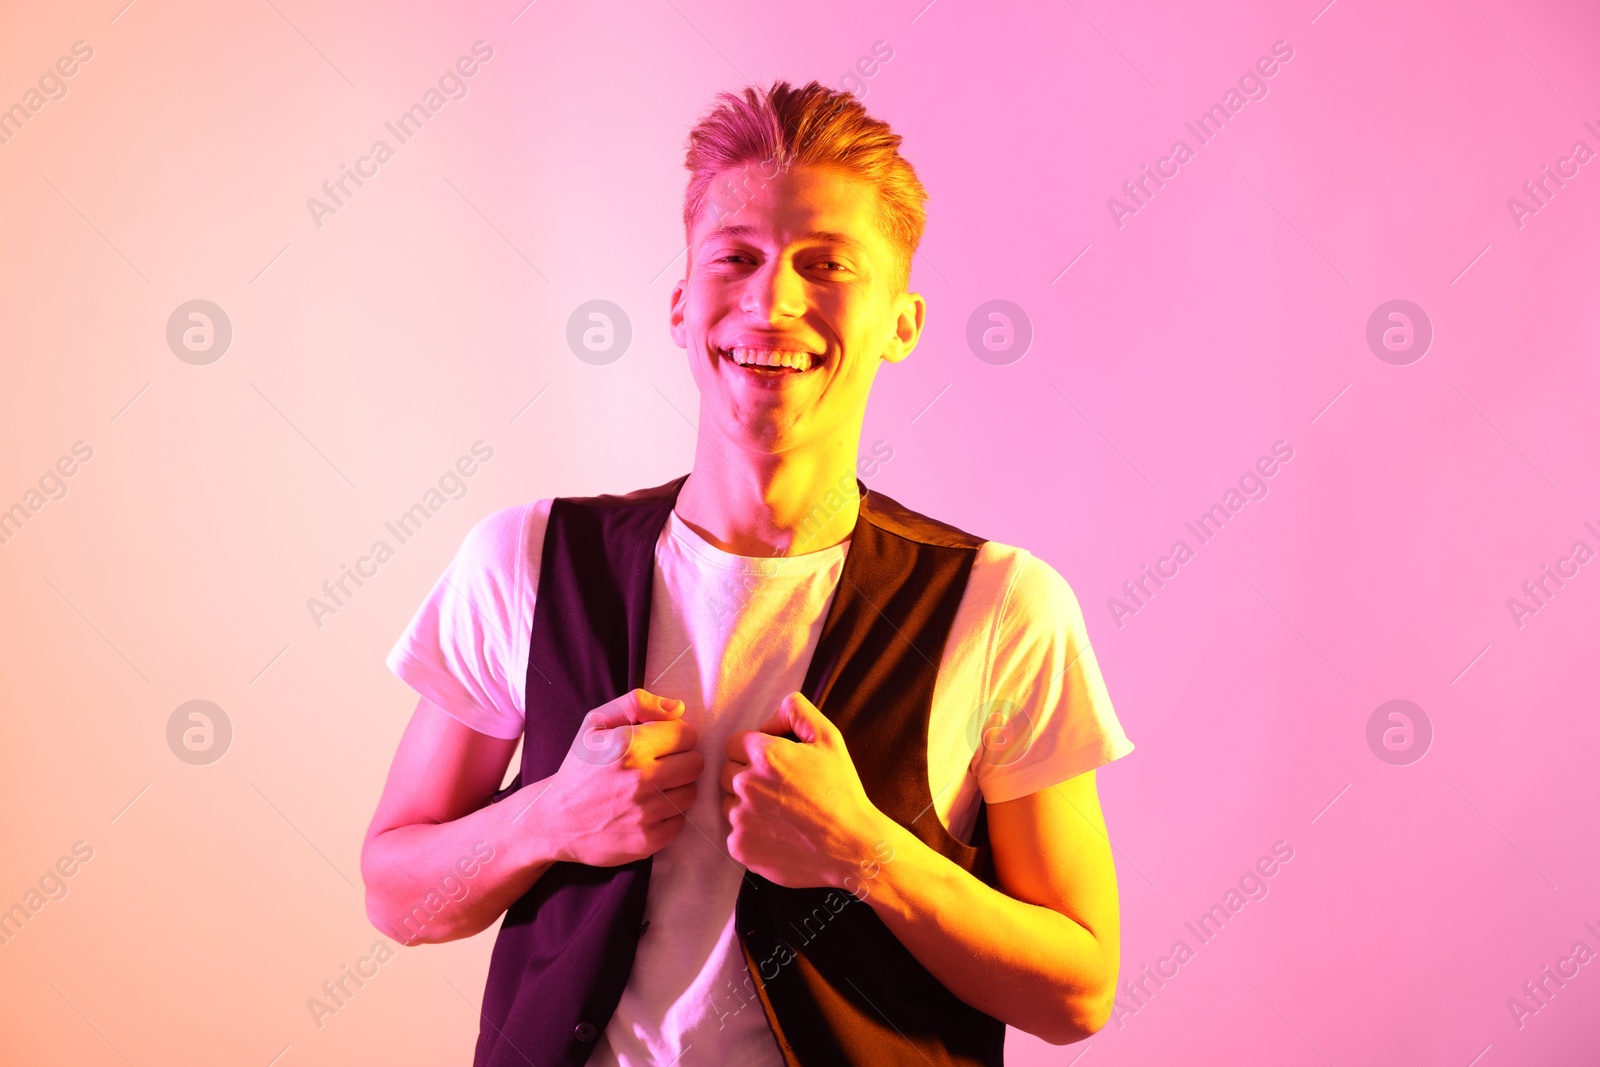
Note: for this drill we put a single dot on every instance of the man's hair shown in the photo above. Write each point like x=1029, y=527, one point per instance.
x=784, y=127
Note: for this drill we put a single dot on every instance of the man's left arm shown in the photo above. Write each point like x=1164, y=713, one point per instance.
x=1039, y=952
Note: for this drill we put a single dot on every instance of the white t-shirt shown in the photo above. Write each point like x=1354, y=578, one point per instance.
x=731, y=636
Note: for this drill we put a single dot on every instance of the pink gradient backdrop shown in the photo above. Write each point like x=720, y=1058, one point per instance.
x=370, y=352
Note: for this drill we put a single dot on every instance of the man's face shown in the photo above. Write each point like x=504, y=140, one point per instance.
x=789, y=304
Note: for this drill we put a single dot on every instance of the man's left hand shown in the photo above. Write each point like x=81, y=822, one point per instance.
x=797, y=812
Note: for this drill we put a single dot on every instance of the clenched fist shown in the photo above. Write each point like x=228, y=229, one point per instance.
x=622, y=791
x=797, y=812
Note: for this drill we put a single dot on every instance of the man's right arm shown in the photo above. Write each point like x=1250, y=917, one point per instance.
x=434, y=823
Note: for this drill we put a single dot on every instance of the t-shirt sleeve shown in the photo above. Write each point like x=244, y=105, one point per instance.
x=466, y=650
x=1048, y=713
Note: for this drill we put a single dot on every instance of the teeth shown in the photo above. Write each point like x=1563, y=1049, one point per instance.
x=771, y=357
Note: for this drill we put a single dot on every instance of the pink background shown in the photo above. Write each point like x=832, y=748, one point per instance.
x=1226, y=315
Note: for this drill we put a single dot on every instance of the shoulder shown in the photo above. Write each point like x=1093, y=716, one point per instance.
x=583, y=524
x=1031, y=593
x=1021, y=591
x=654, y=495
x=500, y=541
x=893, y=517
x=497, y=565
x=1027, y=611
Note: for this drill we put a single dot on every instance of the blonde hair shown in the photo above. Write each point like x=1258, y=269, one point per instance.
x=784, y=127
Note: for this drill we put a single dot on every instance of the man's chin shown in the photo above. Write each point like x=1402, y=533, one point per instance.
x=762, y=434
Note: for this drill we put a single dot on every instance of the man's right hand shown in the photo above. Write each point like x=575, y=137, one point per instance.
x=627, y=780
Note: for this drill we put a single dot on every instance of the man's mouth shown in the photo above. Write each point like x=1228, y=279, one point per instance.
x=771, y=362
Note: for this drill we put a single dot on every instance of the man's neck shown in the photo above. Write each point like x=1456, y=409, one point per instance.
x=786, y=505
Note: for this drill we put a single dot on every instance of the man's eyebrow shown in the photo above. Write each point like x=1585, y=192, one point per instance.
x=824, y=236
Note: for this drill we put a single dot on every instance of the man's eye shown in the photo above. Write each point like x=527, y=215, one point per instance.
x=833, y=265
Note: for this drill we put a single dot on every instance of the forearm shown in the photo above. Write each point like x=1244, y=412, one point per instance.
x=1027, y=965
x=432, y=882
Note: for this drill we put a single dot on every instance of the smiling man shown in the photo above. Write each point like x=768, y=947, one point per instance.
x=807, y=778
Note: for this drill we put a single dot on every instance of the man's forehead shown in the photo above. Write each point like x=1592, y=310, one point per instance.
x=747, y=231
x=795, y=205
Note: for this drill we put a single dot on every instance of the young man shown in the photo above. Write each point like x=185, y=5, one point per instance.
x=807, y=778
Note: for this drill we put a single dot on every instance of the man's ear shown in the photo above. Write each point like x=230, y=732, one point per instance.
x=910, y=317
x=675, y=315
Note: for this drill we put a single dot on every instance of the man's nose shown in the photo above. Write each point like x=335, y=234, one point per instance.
x=774, y=293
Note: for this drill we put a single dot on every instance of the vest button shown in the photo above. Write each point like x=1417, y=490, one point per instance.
x=585, y=1032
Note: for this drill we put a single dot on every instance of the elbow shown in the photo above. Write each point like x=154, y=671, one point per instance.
x=401, y=928
x=422, y=923
x=1077, y=1024
x=1092, y=1016
x=379, y=913
x=378, y=917
x=393, y=923
x=1083, y=1014
x=407, y=927
x=386, y=916
x=1087, y=1003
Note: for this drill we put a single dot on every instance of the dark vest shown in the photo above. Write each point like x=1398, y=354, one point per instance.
x=837, y=987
